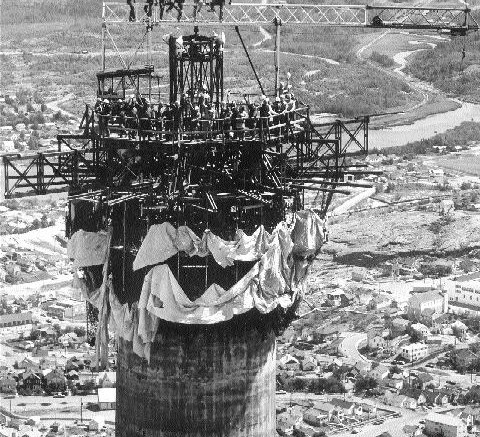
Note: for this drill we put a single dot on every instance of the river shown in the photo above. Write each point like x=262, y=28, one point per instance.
x=425, y=127
x=422, y=128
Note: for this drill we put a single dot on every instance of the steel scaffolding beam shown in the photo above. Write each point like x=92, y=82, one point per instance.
x=253, y=14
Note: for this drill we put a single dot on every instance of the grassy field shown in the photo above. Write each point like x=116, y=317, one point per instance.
x=469, y=164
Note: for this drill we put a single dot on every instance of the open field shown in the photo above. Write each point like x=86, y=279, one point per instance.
x=469, y=164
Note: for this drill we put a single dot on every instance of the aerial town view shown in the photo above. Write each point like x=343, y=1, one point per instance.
x=249, y=219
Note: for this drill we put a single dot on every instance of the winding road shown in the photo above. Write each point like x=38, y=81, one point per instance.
x=350, y=344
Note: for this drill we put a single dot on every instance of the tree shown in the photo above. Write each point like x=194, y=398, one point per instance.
x=44, y=221
x=33, y=142
x=35, y=335
x=365, y=383
x=395, y=369
x=415, y=336
x=80, y=331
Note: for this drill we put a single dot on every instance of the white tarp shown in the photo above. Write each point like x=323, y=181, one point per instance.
x=276, y=279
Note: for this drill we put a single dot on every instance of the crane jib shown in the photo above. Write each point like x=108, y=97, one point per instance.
x=245, y=14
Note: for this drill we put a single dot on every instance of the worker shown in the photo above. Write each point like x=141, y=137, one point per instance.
x=242, y=117
x=148, y=7
x=220, y=3
x=131, y=16
x=178, y=5
x=197, y=7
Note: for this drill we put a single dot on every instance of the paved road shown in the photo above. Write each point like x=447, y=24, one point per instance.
x=55, y=408
x=349, y=345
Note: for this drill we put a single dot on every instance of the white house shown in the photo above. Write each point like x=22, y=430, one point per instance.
x=107, y=398
x=414, y=351
x=445, y=425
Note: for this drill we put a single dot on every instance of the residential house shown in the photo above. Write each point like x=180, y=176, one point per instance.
x=323, y=361
x=4, y=419
x=289, y=362
x=369, y=409
x=397, y=384
x=334, y=298
x=414, y=351
x=315, y=417
x=72, y=375
x=326, y=333
x=309, y=363
x=8, y=383
x=471, y=415
x=107, y=379
x=304, y=431
x=107, y=398
x=69, y=339
x=334, y=347
x=401, y=401
x=464, y=358
x=285, y=424
x=414, y=393
x=379, y=373
x=54, y=380
x=399, y=326
x=421, y=329
x=346, y=407
x=47, y=363
x=376, y=342
x=453, y=394
x=444, y=425
x=421, y=380
x=419, y=302
x=440, y=324
x=96, y=424
x=434, y=397
x=459, y=329
x=326, y=411
x=31, y=381
x=16, y=322
x=363, y=367
x=29, y=364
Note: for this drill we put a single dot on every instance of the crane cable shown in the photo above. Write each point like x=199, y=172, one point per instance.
x=464, y=52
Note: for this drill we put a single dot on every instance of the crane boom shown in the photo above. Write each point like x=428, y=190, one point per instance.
x=315, y=15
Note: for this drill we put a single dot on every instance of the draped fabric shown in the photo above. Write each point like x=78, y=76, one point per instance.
x=88, y=248
x=164, y=241
x=275, y=280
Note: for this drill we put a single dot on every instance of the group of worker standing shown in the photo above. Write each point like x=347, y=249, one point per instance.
x=168, y=5
x=137, y=118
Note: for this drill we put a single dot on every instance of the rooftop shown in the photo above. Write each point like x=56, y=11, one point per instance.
x=16, y=317
x=107, y=394
x=444, y=419
x=426, y=297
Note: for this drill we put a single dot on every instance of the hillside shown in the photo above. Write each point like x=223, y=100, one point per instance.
x=55, y=46
x=447, y=69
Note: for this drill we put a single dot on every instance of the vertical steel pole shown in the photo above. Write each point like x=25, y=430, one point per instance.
x=277, y=23
x=104, y=35
x=149, y=55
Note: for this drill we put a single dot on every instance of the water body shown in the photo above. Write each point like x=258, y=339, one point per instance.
x=424, y=128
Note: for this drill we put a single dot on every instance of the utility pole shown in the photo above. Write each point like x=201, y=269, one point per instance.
x=277, y=22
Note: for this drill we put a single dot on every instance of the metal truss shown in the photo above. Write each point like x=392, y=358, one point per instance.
x=454, y=19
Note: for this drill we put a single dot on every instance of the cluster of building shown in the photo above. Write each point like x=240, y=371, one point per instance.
x=22, y=119
x=50, y=375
